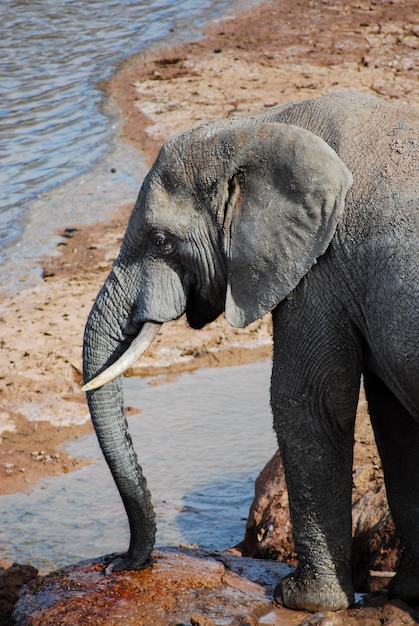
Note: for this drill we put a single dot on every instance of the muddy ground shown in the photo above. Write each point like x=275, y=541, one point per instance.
x=279, y=51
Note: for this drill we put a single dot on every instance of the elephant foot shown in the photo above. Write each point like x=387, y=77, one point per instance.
x=123, y=562
x=405, y=584
x=305, y=590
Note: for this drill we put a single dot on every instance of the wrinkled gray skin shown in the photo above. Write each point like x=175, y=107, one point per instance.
x=255, y=214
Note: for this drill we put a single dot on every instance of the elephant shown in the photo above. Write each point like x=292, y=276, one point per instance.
x=309, y=211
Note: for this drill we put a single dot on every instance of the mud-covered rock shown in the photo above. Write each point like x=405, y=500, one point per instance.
x=184, y=586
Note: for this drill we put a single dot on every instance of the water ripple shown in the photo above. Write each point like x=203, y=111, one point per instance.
x=53, y=54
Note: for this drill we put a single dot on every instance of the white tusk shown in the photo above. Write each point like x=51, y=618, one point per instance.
x=137, y=348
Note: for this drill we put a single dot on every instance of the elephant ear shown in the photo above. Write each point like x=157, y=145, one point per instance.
x=284, y=200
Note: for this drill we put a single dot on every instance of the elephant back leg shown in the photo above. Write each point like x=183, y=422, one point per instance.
x=397, y=436
x=315, y=390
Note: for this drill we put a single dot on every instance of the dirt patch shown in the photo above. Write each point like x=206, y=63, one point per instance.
x=32, y=451
x=277, y=52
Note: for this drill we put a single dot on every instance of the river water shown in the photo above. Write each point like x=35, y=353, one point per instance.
x=201, y=440
x=54, y=121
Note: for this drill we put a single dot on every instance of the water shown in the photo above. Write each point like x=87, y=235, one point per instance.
x=81, y=200
x=58, y=145
x=53, y=119
x=201, y=440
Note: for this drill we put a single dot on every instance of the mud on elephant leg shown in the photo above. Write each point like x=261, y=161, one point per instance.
x=397, y=436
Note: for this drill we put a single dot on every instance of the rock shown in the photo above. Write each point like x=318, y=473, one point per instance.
x=12, y=577
x=375, y=546
x=184, y=586
x=390, y=613
x=268, y=530
x=201, y=620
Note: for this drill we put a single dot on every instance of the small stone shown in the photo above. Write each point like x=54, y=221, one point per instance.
x=201, y=620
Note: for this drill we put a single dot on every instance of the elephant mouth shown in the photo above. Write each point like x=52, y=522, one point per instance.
x=200, y=311
x=137, y=348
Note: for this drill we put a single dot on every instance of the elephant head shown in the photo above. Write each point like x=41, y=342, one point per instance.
x=230, y=218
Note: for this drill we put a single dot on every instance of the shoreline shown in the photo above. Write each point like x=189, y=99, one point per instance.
x=272, y=53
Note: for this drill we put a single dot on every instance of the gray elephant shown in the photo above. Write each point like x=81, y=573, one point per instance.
x=309, y=210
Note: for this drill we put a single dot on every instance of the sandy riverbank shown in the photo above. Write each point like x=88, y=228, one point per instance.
x=279, y=51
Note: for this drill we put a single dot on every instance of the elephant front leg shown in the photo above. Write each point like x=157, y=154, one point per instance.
x=318, y=469
x=317, y=365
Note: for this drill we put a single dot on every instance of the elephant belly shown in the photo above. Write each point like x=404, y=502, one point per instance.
x=395, y=360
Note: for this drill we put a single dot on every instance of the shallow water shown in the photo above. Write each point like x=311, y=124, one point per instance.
x=197, y=438
x=94, y=196
x=201, y=440
x=54, y=122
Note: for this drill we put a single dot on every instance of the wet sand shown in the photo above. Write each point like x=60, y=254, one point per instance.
x=279, y=51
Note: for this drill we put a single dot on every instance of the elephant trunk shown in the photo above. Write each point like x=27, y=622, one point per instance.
x=105, y=339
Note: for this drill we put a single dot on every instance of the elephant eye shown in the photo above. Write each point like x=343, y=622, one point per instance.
x=162, y=243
